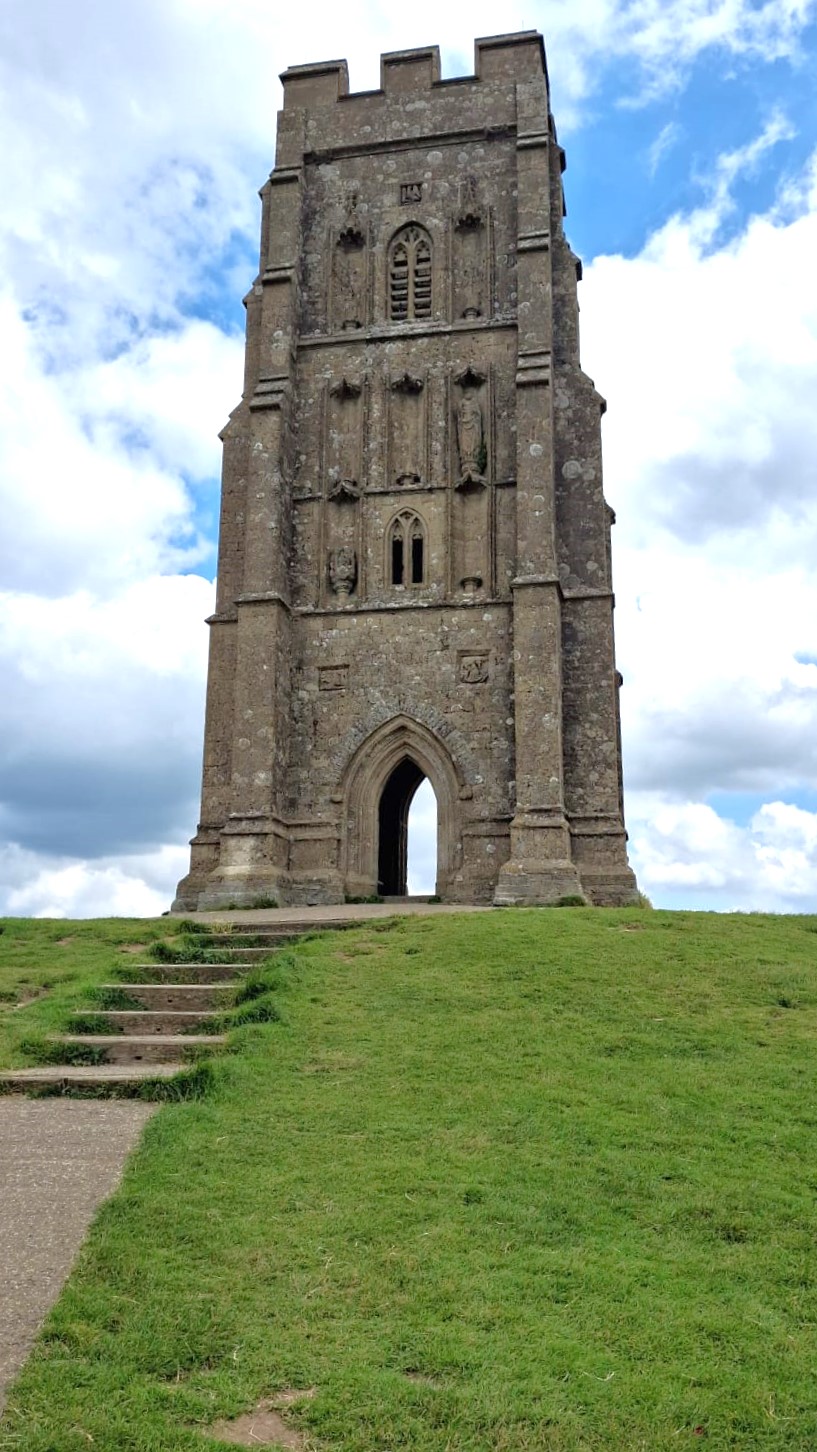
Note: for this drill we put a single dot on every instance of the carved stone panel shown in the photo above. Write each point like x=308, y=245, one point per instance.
x=475, y=667
x=407, y=431
x=333, y=677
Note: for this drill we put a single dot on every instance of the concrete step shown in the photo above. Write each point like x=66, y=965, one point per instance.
x=62, y=1078
x=181, y=996
x=140, y=1048
x=148, y=1020
x=179, y=975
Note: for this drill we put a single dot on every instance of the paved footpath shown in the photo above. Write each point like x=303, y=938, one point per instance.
x=59, y=1159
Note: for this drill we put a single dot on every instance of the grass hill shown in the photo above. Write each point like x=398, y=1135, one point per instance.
x=523, y=1180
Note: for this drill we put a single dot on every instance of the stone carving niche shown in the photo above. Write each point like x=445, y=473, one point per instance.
x=470, y=255
x=344, y=440
x=349, y=273
x=407, y=432
x=343, y=465
x=471, y=514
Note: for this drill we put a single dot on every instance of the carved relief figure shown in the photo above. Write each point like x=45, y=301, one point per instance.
x=470, y=212
x=473, y=669
x=343, y=570
x=470, y=440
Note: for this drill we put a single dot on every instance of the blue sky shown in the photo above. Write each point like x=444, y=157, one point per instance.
x=128, y=238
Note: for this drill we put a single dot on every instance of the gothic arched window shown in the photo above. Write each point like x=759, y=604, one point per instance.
x=410, y=275
x=406, y=557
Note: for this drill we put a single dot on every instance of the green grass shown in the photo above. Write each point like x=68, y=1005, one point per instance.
x=48, y=968
x=522, y=1180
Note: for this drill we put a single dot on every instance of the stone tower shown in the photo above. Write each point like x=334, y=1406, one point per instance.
x=414, y=562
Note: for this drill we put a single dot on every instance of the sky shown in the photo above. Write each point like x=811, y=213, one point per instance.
x=136, y=138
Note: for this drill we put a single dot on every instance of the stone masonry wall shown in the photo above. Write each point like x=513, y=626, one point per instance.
x=414, y=557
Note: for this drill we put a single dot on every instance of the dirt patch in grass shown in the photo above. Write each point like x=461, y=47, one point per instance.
x=331, y=1064
x=264, y=1426
x=29, y=995
x=419, y=1378
x=63, y=942
x=134, y=948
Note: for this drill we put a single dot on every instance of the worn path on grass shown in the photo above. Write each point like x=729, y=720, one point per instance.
x=59, y=1159
x=329, y=914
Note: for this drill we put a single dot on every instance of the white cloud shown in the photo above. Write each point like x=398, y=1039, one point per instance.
x=137, y=886
x=141, y=133
x=84, y=502
x=667, y=139
x=688, y=850
x=707, y=351
x=101, y=717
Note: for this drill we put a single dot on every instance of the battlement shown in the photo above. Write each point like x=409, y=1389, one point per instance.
x=519, y=56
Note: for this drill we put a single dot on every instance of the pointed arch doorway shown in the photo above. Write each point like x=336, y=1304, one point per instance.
x=398, y=834
x=380, y=784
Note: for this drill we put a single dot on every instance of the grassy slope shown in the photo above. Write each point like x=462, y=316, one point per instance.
x=44, y=964
x=524, y=1180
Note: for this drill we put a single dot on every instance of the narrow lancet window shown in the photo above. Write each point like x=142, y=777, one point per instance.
x=407, y=550
x=396, y=557
x=416, y=553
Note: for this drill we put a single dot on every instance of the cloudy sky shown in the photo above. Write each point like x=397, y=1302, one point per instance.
x=136, y=137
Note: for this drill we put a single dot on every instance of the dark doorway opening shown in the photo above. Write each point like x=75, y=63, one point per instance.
x=395, y=801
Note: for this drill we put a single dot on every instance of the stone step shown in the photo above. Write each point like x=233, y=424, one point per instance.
x=140, y=1048
x=293, y=928
x=180, y=975
x=148, y=1020
x=181, y=996
x=62, y=1078
x=231, y=952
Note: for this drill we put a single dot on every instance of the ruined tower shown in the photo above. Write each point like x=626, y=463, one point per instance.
x=414, y=562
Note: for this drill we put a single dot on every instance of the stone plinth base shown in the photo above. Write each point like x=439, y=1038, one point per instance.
x=610, y=889
x=531, y=884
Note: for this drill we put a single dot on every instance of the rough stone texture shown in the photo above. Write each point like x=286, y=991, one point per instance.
x=58, y=1161
x=414, y=554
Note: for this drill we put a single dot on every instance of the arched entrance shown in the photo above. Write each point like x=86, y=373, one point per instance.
x=379, y=785
x=393, y=815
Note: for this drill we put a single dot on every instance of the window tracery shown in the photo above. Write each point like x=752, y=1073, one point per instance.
x=410, y=275
x=406, y=550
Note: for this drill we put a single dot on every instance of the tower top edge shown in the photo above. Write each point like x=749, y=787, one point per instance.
x=516, y=56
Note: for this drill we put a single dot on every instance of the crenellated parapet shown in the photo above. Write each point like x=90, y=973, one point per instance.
x=514, y=58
